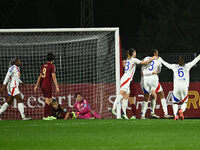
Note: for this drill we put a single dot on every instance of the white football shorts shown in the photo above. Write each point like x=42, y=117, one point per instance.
x=125, y=84
x=150, y=84
x=180, y=94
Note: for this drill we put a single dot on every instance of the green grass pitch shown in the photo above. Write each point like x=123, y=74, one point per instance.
x=100, y=134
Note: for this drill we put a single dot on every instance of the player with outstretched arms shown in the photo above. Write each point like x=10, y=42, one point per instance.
x=126, y=79
x=151, y=86
x=181, y=84
x=12, y=80
x=47, y=73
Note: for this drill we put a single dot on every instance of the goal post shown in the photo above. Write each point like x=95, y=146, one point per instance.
x=87, y=61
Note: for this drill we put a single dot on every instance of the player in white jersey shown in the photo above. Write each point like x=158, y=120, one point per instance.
x=12, y=80
x=126, y=79
x=152, y=86
x=146, y=73
x=181, y=84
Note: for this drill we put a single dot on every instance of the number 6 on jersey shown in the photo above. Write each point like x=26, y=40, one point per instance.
x=180, y=72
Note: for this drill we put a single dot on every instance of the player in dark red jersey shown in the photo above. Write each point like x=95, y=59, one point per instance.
x=58, y=111
x=47, y=73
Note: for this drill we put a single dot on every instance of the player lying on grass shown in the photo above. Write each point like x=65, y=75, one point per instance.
x=47, y=74
x=151, y=86
x=126, y=79
x=181, y=84
x=58, y=112
x=12, y=80
x=83, y=109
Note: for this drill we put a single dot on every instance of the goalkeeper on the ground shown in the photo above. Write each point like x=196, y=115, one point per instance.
x=83, y=109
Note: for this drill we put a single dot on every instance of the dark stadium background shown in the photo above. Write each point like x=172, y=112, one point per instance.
x=170, y=26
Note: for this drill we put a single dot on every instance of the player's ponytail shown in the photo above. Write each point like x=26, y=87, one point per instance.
x=155, y=51
x=181, y=61
x=130, y=53
x=10, y=63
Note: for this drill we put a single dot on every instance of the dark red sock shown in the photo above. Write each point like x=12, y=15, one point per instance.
x=50, y=110
x=47, y=110
x=70, y=115
x=133, y=109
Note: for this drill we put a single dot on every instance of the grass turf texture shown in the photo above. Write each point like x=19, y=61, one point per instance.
x=100, y=134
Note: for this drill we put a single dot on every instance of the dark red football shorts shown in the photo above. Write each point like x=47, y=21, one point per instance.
x=47, y=93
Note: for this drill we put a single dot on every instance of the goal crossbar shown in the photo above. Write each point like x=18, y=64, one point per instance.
x=59, y=30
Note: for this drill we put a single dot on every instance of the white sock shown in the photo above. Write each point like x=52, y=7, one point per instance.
x=175, y=109
x=124, y=105
x=118, y=111
x=4, y=107
x=21, y=109
x=117, y=100
x=164, y=106
x=144, y=108
x=153, y=105
x=183, y=106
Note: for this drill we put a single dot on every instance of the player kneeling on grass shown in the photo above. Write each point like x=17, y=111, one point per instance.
x=83, y=110
x=58, y=112
x=13, y=80
x=181, y=84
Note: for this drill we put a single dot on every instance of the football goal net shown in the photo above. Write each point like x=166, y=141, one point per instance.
x=86, y=61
